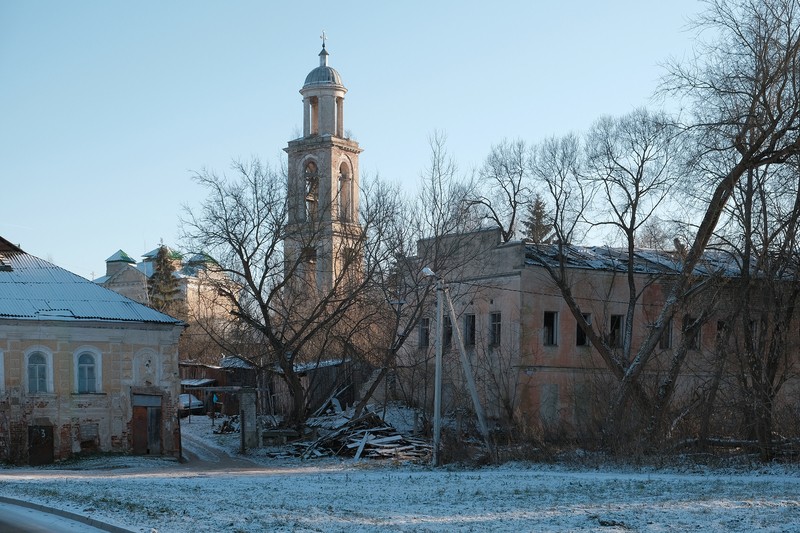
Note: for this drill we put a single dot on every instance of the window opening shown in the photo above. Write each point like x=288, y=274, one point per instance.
x=692, y=332
x=447, y=332
x=615, y=331
x=550, y=328
x=37, y=373
x=581, y=339
x=424, y=333
x=87, y=374
x=665, y=340
x=494, y=329
x=312, y=191
x=469, y=330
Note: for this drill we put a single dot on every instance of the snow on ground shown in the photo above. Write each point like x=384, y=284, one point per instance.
x=263, y=494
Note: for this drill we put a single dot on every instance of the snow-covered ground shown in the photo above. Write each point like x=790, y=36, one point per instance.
x=256, y=493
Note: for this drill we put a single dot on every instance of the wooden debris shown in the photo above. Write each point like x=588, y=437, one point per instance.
x=365, y=436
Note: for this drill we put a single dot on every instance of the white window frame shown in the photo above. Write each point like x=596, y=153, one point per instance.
x=48, y=358
x=98, y=369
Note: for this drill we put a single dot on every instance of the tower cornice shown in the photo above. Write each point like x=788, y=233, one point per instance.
x=323, y=142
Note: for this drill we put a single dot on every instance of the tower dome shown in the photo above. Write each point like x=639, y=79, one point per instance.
x=323, y=75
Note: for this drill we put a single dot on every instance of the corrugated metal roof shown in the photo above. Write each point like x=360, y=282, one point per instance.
x=35, y=289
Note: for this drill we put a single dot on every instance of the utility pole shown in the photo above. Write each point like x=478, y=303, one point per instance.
x=442, y=292
x=437, y=382
x=473, y=390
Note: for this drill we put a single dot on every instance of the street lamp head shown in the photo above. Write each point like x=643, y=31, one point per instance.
x=428, y=272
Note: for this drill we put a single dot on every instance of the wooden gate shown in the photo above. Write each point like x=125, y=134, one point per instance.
x=146, y=425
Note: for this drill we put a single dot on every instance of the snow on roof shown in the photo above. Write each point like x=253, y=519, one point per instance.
x=35, y=289
x=202, y=382
x=152, y=254
x=121, y=256
x=616, y=259
x=233, y=361
x=314, y=365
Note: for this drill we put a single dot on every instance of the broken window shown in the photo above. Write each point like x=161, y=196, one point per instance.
x=581, y=339
x=691, y=329
x=550, y=328
x=616, y=331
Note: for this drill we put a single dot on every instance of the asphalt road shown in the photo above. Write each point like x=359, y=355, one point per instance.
x=18, y=519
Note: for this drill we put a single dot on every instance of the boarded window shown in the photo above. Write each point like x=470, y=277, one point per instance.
x=549, y=403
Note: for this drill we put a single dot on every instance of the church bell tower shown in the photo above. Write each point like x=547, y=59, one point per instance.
x=324, y=235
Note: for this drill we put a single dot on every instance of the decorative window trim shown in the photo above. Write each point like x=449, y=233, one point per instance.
x=48, y=358
x=98, y=369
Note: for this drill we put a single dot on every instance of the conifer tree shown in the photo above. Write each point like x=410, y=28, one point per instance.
x=537, y=224
x=162, y=287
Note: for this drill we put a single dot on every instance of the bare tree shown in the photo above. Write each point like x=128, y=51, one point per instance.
x=630, y=166
x=746, y=116
x=243, y=224
x=762, y=231
x=505, y=190
x=434, y=230
x=558, y=163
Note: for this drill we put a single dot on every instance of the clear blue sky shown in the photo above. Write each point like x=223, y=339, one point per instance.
x=106, y=108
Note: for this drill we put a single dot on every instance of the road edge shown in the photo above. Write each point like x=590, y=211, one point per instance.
x=66, y=514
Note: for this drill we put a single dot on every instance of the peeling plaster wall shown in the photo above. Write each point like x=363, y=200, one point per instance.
x=135, y=358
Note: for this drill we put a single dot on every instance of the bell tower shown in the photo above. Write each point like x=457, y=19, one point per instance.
x=324, y=236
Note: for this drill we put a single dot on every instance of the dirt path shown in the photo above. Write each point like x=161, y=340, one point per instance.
x=200, y=456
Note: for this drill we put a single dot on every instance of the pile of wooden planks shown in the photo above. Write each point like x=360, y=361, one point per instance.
x=365, y=436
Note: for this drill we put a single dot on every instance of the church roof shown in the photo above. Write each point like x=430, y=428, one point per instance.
x=323, y=75
x=121, y=257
